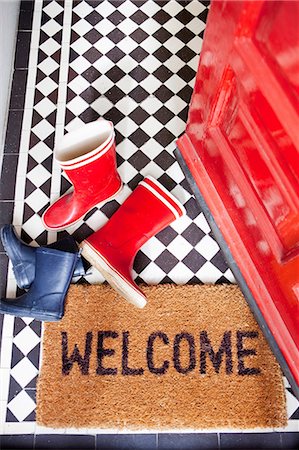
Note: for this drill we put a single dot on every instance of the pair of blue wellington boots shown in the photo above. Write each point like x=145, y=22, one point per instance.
x=45, y=271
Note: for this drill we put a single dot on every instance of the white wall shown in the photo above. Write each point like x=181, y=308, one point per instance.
x=9, y=15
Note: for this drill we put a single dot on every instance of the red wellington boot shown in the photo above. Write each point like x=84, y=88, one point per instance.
x=88, y=157
x=112, y=249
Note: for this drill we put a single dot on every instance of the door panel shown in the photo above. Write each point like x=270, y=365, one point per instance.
x=241, y=150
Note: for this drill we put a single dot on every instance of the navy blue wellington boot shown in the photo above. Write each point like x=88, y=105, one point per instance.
x=22, y=255
x=45, y=298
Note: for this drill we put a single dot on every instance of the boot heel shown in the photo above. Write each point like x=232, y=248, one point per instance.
x=114, y=278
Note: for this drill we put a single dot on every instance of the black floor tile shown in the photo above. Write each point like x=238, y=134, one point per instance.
x=18, y=441
x=3, y=272
x=17, y=102
x=126, y=441
x=13, y=132
x=27, y=5
x=1, y=328
x=8, y=176
x=18, y=88
x=192, y=441
x=289, y=441
x=6, y=215
x=22, y=49
x=248, y=441
x=64, y=441
x=25, y=19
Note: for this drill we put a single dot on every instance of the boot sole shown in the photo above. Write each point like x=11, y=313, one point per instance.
x=113, y=277
x=22, y=312
x=82, y=217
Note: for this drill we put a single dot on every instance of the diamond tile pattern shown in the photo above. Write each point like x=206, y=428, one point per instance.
x=132, y=62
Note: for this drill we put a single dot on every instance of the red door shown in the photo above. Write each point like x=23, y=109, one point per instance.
x=240, y=154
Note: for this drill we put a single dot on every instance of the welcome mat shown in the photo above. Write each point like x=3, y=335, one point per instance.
x=193, y=358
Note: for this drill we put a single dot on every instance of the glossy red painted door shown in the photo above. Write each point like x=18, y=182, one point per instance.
x=241, y=149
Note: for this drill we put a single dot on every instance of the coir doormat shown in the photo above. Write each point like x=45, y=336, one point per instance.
x=193, y=358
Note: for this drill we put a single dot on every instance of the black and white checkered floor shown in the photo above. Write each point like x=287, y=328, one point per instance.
x=132, y=62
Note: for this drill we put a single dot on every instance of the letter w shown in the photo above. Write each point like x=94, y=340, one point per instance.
x=68, y=362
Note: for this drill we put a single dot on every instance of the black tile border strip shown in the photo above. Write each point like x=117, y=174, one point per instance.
x=11, y=154
x=8, y=176
x=14, y=127
x=160, y=441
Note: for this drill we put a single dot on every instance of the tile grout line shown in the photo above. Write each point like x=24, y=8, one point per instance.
x=61, y=99
x=218, y=441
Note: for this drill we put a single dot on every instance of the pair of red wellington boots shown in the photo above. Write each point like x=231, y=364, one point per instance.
x=88, y=157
